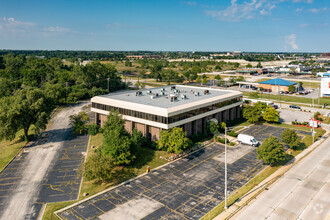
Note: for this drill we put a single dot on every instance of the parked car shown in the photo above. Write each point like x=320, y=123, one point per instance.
x=247, y=139
x=254, y=88
x=281, y=92
x=274, y=106
x=269, y=75
x=294, y=106
x=286, y=92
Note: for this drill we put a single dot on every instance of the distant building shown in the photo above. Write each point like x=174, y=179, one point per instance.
x=138, y=57
x=325, y=55
x=152, y=110
x=325, y=87
x=277, y=85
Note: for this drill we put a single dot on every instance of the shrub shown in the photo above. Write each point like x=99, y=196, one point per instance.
x=222, y=140
x=293, y=122
x=232, y=133
x=291, y=138
x=232, y=144
x=93, y=129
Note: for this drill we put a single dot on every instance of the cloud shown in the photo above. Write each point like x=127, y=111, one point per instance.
x=243, y=11
x=189, y=3
x=57, y=29
x=299, y=9
x=304, y=25
x=290, y=40
x=317, y=10
x=11, y=25
x=121, y=25
x=303, y=1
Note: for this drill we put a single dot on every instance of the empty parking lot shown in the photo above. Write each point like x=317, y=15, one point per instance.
x=185, y=189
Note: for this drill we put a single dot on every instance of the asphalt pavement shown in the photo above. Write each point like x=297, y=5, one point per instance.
x=301, y=193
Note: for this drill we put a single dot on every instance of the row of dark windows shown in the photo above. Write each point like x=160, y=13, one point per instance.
x=165, y=120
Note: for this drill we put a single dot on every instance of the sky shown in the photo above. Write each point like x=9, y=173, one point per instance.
x=166, y=25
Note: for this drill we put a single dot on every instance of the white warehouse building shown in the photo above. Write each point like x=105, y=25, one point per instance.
x=325, y=87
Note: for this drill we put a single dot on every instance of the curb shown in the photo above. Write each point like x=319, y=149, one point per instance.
x=290, y=164
x=123, y=183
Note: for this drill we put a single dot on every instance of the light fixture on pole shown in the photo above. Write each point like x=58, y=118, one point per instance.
x=226, y=168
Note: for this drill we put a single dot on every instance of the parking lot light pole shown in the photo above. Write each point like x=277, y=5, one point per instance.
x=226, y=168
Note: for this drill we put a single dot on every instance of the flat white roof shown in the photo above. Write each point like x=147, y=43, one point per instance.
x=162, y=104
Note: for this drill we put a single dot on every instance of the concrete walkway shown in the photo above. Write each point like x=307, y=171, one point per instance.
x=257, y=208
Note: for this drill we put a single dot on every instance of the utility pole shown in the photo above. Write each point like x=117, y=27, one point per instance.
x=226, y=168
x=108, y=79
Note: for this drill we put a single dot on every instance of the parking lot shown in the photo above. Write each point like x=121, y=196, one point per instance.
x=261, y=132
x=60, y=182
x=185, y=189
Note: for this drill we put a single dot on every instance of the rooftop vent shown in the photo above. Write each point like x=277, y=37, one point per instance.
x=174, y=98
x=172, y=87
x=162, y=89
x=183, y=96
x=149, y=92
x=138, y=93
x=206, y=92
x=196, y=93
x=162, y=93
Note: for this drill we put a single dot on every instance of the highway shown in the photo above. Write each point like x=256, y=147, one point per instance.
x=301, y=193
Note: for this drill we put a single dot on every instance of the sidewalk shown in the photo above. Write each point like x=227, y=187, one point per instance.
x=251, y=195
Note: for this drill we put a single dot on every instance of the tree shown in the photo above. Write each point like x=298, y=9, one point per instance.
x=271, y=151
x=100, y=168
x=78, y=122
x=240, y=78
x=204, y=80
x=117, y=142
x=261, y=105
x=232, y=79
x=198, y=80
x=248, y=65
x=217, y=77
x=27, y=107
x=291, y=88
x=271, y=115
x=291, y=138
x=212, y=127
x=252, y=113
x=174, y=140
x=218, y=68
x=259, y=65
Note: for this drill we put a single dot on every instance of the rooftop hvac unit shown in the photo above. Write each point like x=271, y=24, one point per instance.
x=162, y=93
x=162, y=89
x=173, y=98
x=157, y=94
x=183, y=96
x=149, y=92
x=206, y=92
x=152, y=97
x=172, y=87
x=196, y=93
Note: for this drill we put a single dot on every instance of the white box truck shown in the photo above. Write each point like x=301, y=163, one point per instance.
x=247, y=139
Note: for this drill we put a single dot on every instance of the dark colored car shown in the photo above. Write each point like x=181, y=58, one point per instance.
x=274, y=106
x=286, y=92
x=294, y=106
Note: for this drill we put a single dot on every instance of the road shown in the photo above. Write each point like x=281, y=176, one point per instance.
x=301, y=193
x=24, y=179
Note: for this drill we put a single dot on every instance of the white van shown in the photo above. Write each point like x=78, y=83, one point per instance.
x=247, y=139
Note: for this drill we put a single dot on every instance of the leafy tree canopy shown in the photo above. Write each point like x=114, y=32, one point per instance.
x=291, y=138
x=271, y=151
x=252, y=113
x=271, y=115
x=174, y=140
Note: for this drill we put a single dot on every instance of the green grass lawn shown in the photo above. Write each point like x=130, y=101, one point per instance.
x=146, y=157
x=52, y=207
x=9, y=149
x=305, y=142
